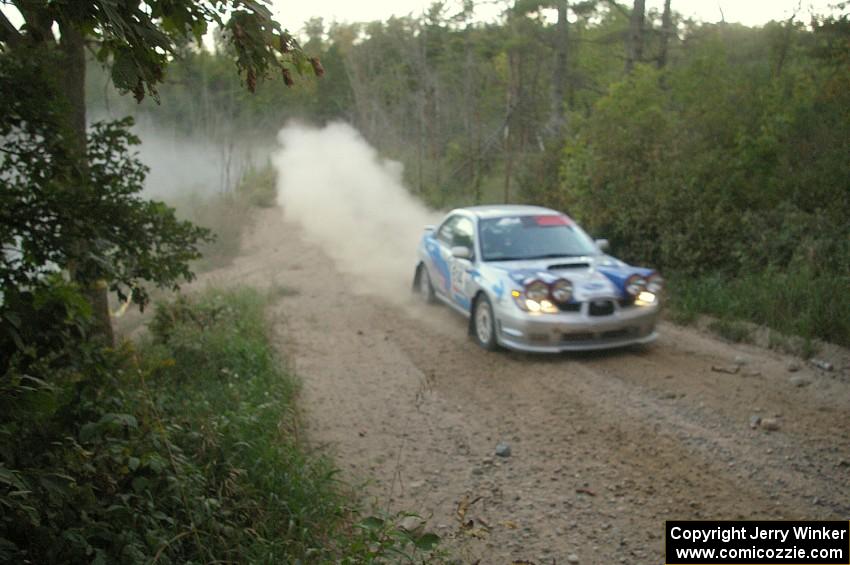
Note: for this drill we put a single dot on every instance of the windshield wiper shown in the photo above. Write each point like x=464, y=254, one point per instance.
x=557, y=255
x=534, y=257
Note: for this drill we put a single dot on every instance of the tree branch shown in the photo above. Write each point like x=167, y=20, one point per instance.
x=8, y=32
x=616, y=5
x=38, y=20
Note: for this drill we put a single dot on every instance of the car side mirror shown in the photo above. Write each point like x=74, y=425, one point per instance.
x=603, y=244
x=461, y=252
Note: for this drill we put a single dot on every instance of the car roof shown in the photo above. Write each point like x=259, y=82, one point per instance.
x=499, y=210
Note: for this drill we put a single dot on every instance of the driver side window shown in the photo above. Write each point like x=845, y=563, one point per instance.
x=446, y=232
x=464, y=231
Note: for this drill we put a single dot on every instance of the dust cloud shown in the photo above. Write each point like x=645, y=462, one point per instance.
x=182, y=166
x=353, y=204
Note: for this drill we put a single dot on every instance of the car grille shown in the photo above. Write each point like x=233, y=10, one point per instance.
x=577, y=337
x=614, y=334
x=570, y=307
x=603, y=336
x=600, y=308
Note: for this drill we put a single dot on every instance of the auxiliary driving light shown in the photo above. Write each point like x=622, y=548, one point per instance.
x=645, y=298
x=562, y=290
x=635, y=284
x=537, y=290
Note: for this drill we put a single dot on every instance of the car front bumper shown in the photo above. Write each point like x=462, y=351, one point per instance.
x=576, y=331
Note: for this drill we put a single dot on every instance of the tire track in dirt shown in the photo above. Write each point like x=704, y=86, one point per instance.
x=677, y=462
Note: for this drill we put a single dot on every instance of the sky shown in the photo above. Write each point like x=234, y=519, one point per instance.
x=293, y=13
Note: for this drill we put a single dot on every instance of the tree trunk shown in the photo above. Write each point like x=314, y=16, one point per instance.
x=512, y=102
x=432, y=126
x=73, y=84
x=420, y=141
x=785, y=46
x=509, y=166
x=559, y=75
x=666, y=32
x=634, y=45
x=478, y=157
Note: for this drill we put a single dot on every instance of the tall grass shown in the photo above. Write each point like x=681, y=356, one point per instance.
x=185, y=450
x=228, y=214
x=798, y=302
x=232, y=408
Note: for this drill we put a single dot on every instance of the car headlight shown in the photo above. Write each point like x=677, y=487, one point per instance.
x=535, y=297
x=635, y=284
x=537, y=291
x=562, y=290
x=654, y=283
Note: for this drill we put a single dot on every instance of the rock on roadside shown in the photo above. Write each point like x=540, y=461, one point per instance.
x=799, y=381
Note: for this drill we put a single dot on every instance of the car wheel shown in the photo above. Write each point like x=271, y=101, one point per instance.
x=484, y=323
x=424, y=288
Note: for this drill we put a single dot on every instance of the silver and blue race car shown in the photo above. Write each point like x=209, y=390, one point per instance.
x=530, y=279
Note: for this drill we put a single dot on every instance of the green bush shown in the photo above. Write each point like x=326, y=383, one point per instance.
x=737, y=190
x=258, y=187
x=800, y=302
x=228, y=214
x=735, y=332
x=185, y=450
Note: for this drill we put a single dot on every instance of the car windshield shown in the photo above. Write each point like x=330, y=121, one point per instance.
x=532, y=237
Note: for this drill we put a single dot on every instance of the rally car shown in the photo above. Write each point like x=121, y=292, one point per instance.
x=530, y=279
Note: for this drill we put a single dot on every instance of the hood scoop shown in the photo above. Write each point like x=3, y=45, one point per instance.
x=564, y=266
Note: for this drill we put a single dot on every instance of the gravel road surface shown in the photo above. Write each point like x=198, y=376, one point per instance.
x=604, y=447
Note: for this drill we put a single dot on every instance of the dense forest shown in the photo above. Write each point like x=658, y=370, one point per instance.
x=714, y=151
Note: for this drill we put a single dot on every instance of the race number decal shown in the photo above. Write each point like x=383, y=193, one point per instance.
x=458, y=271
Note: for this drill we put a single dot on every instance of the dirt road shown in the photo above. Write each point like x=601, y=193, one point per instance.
x=605, y=446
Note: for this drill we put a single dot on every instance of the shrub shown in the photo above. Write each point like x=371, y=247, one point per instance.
x=800, y=302
x=258, y=187
x=185, y=450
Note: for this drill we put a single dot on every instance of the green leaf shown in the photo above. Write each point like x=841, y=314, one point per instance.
x=372, y=523
x=11, y=478
x=125, y=75
x=124, y=420
x=427, y=542
x=89, y=431
x=13, y=319
x=140, y=484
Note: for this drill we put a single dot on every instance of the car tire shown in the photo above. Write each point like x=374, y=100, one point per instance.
x=484, y=323
x=423, y=287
